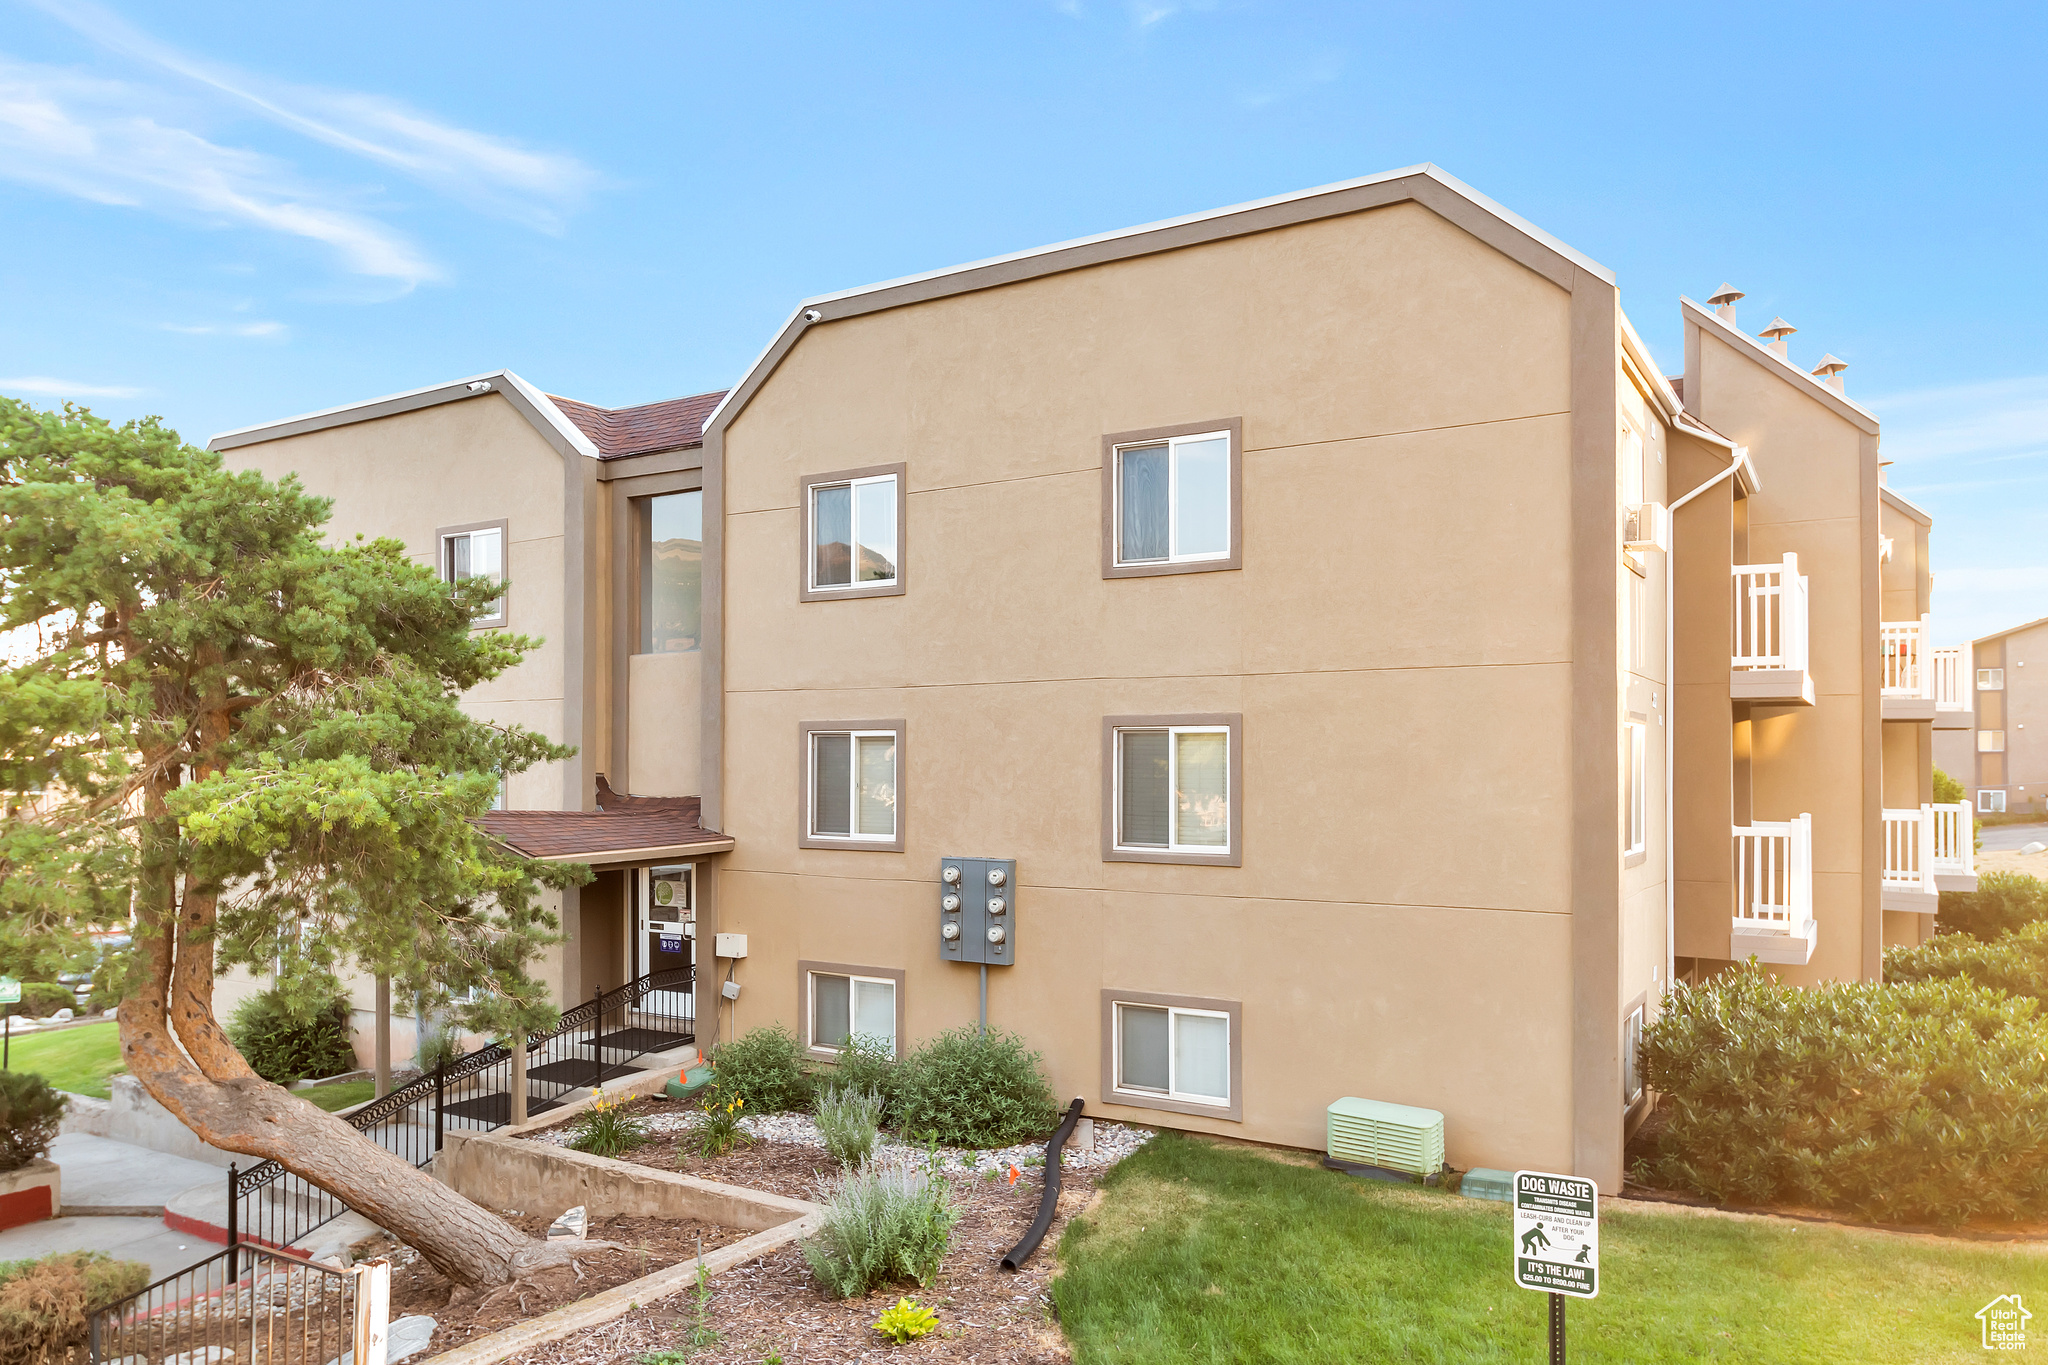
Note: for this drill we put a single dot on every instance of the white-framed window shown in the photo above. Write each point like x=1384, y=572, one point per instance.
x=1632, y=1059
x=853, y=785
x=1173, y=788
x=1636, y=836
x=1173, y=500
x=853, y=536
x=1991, y=741
x=1173, y=1053
x=845, y=1005
x=1991, y=800
x=476, y=552
x=1990, y=680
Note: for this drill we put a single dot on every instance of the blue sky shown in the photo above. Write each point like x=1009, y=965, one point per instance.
x=229, y=213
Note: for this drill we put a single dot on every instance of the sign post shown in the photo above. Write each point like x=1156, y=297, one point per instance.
x=10, y=995
x=1557, y=1242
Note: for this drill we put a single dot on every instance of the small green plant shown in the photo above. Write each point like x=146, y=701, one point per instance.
x=437, y=1047
x=719, y=1131
x=907, y=1321
x=971, y=1089
x=849, y=1122
x=606, y=1128
x=1948, y=791
x=45, y=1303
x=284, y=1044
x=868, y=1063
x=766, y=1067
x=30, y=1112
x=885, y=1223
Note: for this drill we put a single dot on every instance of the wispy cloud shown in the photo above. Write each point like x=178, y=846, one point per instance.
x=227, y=329
x=494, y=173
x=92, y=138
x=2001, y=417
x=45, y=386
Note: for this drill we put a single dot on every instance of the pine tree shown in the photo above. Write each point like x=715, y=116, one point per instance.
x=247, y=743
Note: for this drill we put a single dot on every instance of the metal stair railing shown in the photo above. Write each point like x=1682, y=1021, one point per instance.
x=594, y=1042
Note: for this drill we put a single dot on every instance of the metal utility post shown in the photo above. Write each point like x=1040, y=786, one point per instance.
x=597, y=1037
x=1556, y=1246
x=1557, y=1329
x=382, y=1029
x=440, y=1098
x=234, y=1223
x=984, y=997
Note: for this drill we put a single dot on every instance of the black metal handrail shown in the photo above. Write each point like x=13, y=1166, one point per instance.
x=243, y=1303
x=297, y=1207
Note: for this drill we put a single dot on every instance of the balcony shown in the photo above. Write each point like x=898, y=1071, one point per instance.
x=1952, y=699
x=1912, y=681
x=1928, y=851
x=1774, y=892
x=1769, y=656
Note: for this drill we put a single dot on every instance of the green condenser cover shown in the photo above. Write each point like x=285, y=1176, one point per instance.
x=1398, y=1137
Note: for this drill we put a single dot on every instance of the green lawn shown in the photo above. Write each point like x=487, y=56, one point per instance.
x=76, y=1059
x=1206, y=1253
x=342, y=1096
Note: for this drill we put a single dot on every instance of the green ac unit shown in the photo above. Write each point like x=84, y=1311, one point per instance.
x=1396, y=1137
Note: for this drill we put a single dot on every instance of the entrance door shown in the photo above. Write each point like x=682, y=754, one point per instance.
x=668, y=940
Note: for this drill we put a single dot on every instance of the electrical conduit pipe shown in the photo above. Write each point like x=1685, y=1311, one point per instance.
x=1049, y=1197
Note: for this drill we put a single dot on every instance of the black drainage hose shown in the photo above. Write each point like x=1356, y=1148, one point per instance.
x=1049, y=1197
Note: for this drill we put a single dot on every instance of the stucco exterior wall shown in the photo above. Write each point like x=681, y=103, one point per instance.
x=1398, y=643
x=665, y=736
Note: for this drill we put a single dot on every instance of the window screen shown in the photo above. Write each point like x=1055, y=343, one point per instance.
x=1142, y=1048
x=831, y=1009
x=1145, y=795
x=832, y=797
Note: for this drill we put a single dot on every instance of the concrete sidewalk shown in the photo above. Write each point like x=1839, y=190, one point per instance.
x=125, y=1239
x=102, y=1176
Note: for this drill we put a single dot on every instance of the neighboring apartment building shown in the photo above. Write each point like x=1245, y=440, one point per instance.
x=2002, y=765
x=1284, y=590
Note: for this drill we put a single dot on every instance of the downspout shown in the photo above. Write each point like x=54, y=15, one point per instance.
x=1671, y=717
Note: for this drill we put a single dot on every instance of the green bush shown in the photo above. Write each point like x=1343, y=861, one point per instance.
x=1947, y=791
x=2016, y=963
x=971, y=1089
x=766, y=1067
x=46, y=1303
x=29, y=1114
x=283, y=1046
x=437, y=1046
x=848, y=1120
x=869, y=1063
x=2002, y=902
x=885, y=1223
x=1920, y=1102
x=606, y=1128
x=41, y=999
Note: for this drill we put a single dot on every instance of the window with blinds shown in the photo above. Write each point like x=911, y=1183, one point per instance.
x=853, y=784
x=1173, y=788
x=1179, y=1054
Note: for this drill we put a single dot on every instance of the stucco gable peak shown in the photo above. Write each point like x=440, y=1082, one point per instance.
x=536, y=407
x=1811, y=385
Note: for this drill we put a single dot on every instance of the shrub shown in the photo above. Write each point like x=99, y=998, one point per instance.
x=2016, y=963
x=283, y=1045
x=606, y=1129
x=436, y=1047
x=848, y=1120
x=885, y=1223
x=41, y=999
x=1916, y=1102
x=1948, y=791
x=766, y=1068
x=46, y=1303
x=869, y=1063
x=2002, y=902
x=907, y=1321
x=29, y=1114
x=971, y=1089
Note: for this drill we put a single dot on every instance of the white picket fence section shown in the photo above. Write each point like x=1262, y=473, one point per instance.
x=1955, y=839
x=1774, y=876
x=1770, y=615
x=1908, y=670
x=1909, y=849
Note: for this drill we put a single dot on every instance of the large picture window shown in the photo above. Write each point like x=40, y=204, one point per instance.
x=1171, y=500
x=853, y=533
x=851, y=781
x=671, y=573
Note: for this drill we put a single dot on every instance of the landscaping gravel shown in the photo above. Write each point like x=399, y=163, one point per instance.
x=1113, y=1141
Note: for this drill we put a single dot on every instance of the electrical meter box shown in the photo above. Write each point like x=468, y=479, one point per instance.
x=978, y=910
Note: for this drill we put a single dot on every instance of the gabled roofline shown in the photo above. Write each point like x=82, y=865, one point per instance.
x=535, y=406
x=1863, y=418
x=2010, y=630
x=1648, y=371
x=1435, y=189
x=1910, y=508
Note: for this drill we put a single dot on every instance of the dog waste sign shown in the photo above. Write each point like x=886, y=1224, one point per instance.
x=10, y=991
x=1557, y=1234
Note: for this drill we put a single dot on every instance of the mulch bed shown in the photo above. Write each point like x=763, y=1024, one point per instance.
x=771, y=1305
x=645, y=1246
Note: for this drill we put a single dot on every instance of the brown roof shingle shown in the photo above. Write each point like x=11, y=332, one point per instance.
x=618, y=432
x=588, y=835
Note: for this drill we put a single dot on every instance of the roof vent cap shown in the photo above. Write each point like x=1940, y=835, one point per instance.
x=1775, y=335
x=1723, y=300
x=1829, y=372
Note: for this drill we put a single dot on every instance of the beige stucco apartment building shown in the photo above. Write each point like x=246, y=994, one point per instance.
x=1999, y=752
x=1289, y=599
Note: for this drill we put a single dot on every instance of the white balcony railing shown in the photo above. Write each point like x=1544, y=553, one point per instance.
x=1952, y=679
x=1770, y=616
x=1924, y=847
x=1908, y=671
x=1774, y=891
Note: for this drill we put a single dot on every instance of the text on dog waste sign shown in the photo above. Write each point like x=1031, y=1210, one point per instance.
x=1557, y=1234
